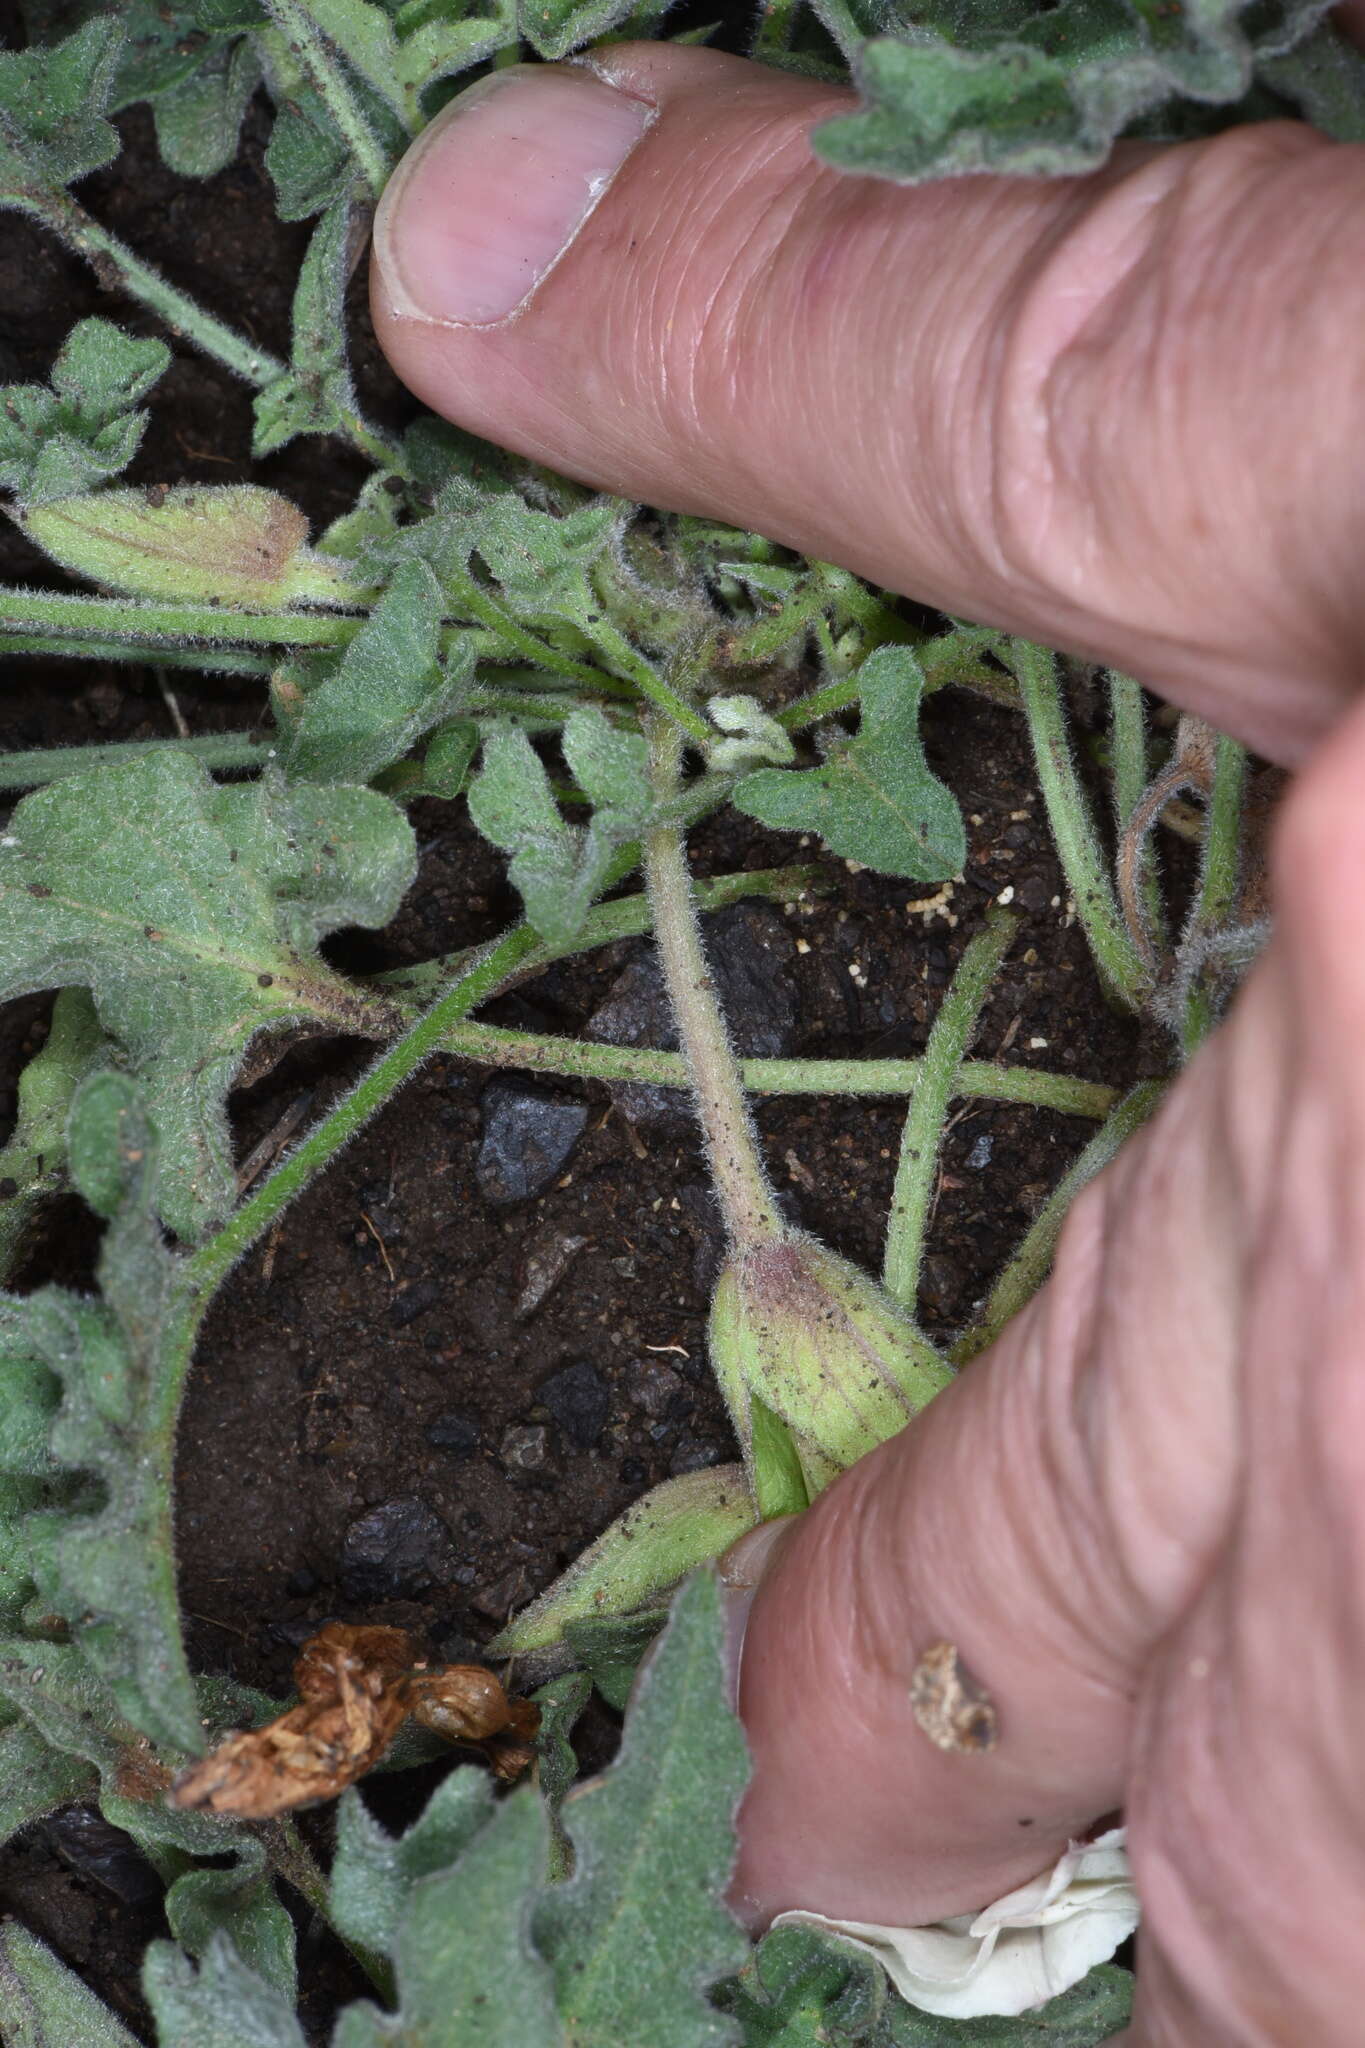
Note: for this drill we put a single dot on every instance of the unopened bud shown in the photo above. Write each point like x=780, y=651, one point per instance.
x=818, y=1342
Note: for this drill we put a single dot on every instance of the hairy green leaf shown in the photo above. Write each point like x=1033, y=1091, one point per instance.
x=610, y=1648
x=558, y=868
x=36, y=1779
x=229, y=544
x=222, y=2004
x=876, y=800
x=466, y=1967
x=307, y=161
x=373, y=1873
x=1046, y=94
x=240, y=1904
x=637, y=1935
x=659, y=1539
x=33, y=1163
x=45, y=2005
x=803, y=1990
x=560, y=1703
x=199, y=118
x=443, y=769
x=363, y=710
x=193, y=913
x=555, y=27
x=53, y=100
x=57, y=440
x=108, y=1571
x=314, y=396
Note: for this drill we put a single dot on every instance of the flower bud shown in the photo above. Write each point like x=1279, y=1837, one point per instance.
x=818, y=1342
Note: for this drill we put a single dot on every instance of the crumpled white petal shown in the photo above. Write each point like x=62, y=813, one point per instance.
x=1028, y=1947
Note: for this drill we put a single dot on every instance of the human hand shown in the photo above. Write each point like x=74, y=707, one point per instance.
x=1120, y=414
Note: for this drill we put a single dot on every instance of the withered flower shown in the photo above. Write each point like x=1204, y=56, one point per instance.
x=357, y=1686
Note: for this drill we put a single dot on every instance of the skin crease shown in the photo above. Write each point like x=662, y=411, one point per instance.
x=1122, y=414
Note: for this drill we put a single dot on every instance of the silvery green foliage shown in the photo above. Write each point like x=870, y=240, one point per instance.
x=222, y=2004
x=1004, y=87
x=33, y=1163
x=193, y=914
x=95, y=1553
x=45, y=2005
x=559, y=868
x=58, y=439
x=486, y=1949
x=344, y=718
x=315, y=393
x=876, y=799
x=53, y=102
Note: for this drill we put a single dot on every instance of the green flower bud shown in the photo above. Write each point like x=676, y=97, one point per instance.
x=799, y=1332
x=236, y=543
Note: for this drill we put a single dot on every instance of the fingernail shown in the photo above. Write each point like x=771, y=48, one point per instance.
x=740, y=1572
x=493, y=192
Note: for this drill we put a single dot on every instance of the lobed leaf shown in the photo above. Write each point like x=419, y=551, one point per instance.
x=314, y=396
x=876, y=800
x=192, y=913
x=222, y=2004
x=638, y=1934
x=57, y=440
x=1044, y=93
x=199, y=117
x=53, y=100
x=373, y=1873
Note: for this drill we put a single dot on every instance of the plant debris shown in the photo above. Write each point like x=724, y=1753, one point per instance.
x=357, y=1686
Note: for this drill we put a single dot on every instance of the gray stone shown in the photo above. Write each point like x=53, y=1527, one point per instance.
x=455, y=1433
x=654, y=1386
x=395, y=1551
x=528, y=1135
x=578, y=1398
x=524, y=1446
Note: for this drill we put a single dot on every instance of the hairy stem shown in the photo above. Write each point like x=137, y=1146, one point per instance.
x=319, y=60
x=150, y=623
x=1219, y=879
x=1073, y=827
x=221, y=751
x=1028, y=1268
x=746, y=1200
x=922, y=1137
x=496, y=1046
x=1135, y=870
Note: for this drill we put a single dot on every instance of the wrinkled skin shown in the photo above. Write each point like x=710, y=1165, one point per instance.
x=1121, y=414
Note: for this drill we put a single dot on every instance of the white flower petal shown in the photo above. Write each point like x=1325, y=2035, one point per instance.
x=1028, y=1947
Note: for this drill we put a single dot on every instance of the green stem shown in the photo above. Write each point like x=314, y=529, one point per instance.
x=80, y=647
x=480, y=603
x=626, y=918
x=1219, y=880
x=113, y=262
x=1073, y=827
x=917, y=1167
x=495, y=1045
x=631, y=664
x=219, y=751
x=148, y=622
x=315, y=53
x=746, y=1200
x=1128, y=738
x=1028, y=1268
x=776, y=22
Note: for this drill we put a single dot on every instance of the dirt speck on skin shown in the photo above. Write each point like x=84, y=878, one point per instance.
x=378, y=1346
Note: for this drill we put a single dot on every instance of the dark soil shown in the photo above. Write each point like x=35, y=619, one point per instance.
x=371, y=1351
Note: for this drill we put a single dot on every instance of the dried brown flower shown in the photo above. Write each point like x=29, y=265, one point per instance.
x=357, y=1686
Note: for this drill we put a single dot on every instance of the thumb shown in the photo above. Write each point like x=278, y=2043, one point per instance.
x=1118, y=412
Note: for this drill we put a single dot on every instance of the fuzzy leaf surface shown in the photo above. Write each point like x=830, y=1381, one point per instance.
x=103, y=1563
x=610, y=1648
x=557, y=868
x=373, y=1872
x=45, y=2005
x=555, y=27
x=364, y=710
x=560, y=1702
x=222, y=2004
x=314, y=395
x=876, y=800
x=199, y=118
x=35, y=1780
x=466, y=1967
x=58, y=439
x=33, y=1163
x=193, y=914
x=1045, y=93
x=53, y=99
x=638, y=1934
